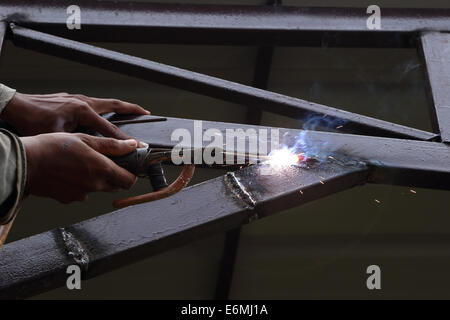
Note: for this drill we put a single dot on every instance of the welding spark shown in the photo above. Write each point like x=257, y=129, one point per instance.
x=377, y=201
x=284, y=157
x=413, y=191
x=338, y=127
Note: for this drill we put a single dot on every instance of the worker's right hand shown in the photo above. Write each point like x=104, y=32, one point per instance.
x=68, y=166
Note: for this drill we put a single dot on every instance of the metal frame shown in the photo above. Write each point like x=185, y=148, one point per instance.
x=381, y=152
x=435, y=47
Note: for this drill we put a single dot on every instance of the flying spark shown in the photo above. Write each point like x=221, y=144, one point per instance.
x=284, y=157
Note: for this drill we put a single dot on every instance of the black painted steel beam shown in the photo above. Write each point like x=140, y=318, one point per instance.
x=260, y=80
x=207, y=85
x=98, y=245
x=435, y=48
x=393, y=161
x=38, y=263
x=226, y=24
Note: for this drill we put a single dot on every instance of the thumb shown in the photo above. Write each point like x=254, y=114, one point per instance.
x=110, y=146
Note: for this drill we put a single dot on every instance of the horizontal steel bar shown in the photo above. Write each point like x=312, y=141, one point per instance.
x=203, y=84
x=226, y=24
x=394, y=161
x=38, y=263
x=435, y=48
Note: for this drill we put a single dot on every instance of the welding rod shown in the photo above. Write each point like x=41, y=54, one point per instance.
x=139, y=120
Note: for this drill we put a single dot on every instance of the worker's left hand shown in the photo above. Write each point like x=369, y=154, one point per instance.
x=31, y=114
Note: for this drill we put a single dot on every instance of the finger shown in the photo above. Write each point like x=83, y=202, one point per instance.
x=102, y=106
x=89, y=118
x=52, y=95
x=114, y=175
x=118, y=177
x=109, y=146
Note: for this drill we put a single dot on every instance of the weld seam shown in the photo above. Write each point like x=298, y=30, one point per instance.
x=75, y=249
x=239, y=190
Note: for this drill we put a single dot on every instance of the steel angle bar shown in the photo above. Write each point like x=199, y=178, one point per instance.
x=435, y=48
x=393, y=161
x=226, y=24
x=207, y=85
x=38, y=263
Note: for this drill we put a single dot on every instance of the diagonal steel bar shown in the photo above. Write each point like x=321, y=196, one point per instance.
x=435, y=48
x=226, y=24
x=394, y=161
x=38, y=263
x=203, y=84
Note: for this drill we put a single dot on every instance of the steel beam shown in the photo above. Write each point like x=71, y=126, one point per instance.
x=435, y=49
x=260, y=80
x=38, y=263
x=393, y=161
x=254, y=115
x=226, y=24
x=207, y=85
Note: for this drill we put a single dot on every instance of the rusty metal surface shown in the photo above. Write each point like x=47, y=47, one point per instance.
x=207, y=85
x=226, y=24
x=37, y=264
x=435, y=49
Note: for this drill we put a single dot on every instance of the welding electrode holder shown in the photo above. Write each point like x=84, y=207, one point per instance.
x=146, y=163
x=139, y=161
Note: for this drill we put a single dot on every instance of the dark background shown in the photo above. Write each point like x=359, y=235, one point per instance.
x=318, y=250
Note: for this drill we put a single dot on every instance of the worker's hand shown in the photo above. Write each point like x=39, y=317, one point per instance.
x=61, y=112
x=68, y=166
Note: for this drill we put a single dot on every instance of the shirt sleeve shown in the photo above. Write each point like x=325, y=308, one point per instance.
x=12, y=174
x=6, y=94
x=12, y=166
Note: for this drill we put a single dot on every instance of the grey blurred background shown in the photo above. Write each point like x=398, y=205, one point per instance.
x=319, y=250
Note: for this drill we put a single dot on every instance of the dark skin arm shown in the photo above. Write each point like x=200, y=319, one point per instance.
x=68, y=166
x=63, y=165
x=32, y=114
